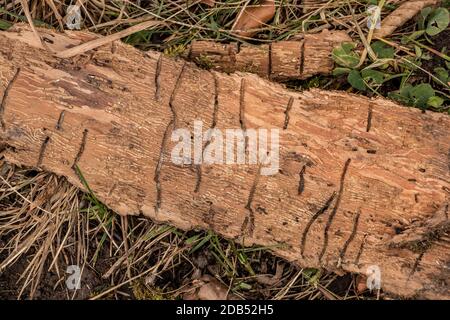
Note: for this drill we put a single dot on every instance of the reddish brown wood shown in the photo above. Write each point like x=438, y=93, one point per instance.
x=361, y=182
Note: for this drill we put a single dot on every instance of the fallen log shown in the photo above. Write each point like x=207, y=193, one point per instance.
x=361, y=185
x=283, y=60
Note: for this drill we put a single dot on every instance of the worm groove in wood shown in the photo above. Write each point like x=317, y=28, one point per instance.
x=320, y=212
x=302, y=57
x=42, y=151
x=416, y=264
x=5, y=97
x=301, y=181
x=286, y=113
x=369, y=118
x=242, y=111
x=60, y=120
x=158, y=78
x=350, y=238
x=270, y=61
x=335, y=209
x=170, y=126
x=213, y=125
x=249, y=221
x=360, y=250
x=80, y=149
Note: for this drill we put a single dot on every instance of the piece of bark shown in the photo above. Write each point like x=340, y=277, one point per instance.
x=354, y=172
x=283, y=60
x=253, y=17
x=317, y=52
x=214, y=55
x=253, y=59
x=401, y=15
x=286, y=60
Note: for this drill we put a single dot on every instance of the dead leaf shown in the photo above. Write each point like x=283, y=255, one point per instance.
x=326, y=293
x=272, y=279
x=361, y=283
x=208, y=288
x=253, y=17
x=210, y=3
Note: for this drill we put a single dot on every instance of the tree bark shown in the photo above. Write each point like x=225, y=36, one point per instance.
x=281, y=61
x=361, y=183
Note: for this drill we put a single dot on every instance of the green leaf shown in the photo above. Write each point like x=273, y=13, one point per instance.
x=200, y=244
x=395, y=95
x=441, y=74
x=374, y=75
x=340, y=71
x=244, y=286
x=312, y=275
x=4, y=25
x=213, y=24
x=423, y=17
x=426, y=56
x=405, y=90
x=382, y=50
x=438, y=21
x=413, y=36
x=418, y=51
x=344, y=55
x=420, y=94
x=435, y=101
x=355, y=79
x=402, y=95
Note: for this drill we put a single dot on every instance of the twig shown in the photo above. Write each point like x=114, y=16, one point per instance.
x=26, y=10
x=82, y=48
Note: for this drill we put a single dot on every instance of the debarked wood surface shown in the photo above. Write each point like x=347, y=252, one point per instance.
x=361, y=183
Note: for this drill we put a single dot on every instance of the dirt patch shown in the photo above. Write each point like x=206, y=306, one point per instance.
x=440, y=42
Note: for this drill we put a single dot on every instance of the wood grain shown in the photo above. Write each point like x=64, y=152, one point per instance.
x=361, y=182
